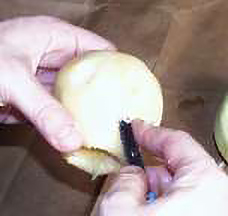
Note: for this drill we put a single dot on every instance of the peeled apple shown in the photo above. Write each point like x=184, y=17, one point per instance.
x=99, y=90
x=221, y=128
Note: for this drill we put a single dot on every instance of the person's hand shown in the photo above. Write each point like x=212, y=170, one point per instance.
x=32, y=49
x=192, y=183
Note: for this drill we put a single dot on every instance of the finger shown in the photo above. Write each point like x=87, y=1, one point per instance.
x=47, y=78
x=88, y=41
x=177, y=148
x=68, y=41
x=46, y=114
x=126, y=194
x=49, y=41
x=159, y=179
x=131, y=181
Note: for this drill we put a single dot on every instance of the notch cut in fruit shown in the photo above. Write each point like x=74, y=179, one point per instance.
x=99, y=90
x=98, y=159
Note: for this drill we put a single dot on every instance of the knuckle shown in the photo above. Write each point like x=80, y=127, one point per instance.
x=133, y=183
x=117, y=199
x=184, y=134
x=45, y=117
x=11, y=80
x=178, y=135
x=45, y=19
x=54, y=124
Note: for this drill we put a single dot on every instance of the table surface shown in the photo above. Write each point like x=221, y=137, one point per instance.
x=188, y=42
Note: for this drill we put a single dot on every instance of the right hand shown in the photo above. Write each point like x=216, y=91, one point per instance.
x=196, y=186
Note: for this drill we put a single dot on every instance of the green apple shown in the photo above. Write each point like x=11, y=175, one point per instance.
x=221, y=128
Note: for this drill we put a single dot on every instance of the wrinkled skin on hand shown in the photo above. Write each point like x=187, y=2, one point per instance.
x=192, y=183
x=32, y=50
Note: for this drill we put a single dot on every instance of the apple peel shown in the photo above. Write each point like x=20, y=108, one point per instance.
x=221, y=129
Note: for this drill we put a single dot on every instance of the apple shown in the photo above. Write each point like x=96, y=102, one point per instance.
x=221, y=128
x=100, y=89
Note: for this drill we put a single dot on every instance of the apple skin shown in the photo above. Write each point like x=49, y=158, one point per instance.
x=99, y=90
x=221, y=128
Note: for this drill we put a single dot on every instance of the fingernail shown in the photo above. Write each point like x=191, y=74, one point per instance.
x=152, y=178
x=159, y=178
x=166, y=180
x=139, y=127
x=138, y=121
x=137, y=124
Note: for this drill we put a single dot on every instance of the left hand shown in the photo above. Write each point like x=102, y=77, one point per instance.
x=31, y=50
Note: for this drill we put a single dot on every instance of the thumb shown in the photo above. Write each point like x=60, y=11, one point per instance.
x=46, y=114
x=126, y=196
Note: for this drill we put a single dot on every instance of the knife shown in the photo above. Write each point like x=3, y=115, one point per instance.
x=132, y=152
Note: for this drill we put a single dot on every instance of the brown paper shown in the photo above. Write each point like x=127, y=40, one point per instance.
x=188, y=42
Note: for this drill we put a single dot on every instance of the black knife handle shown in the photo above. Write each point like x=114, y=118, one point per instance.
x=130, y=147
